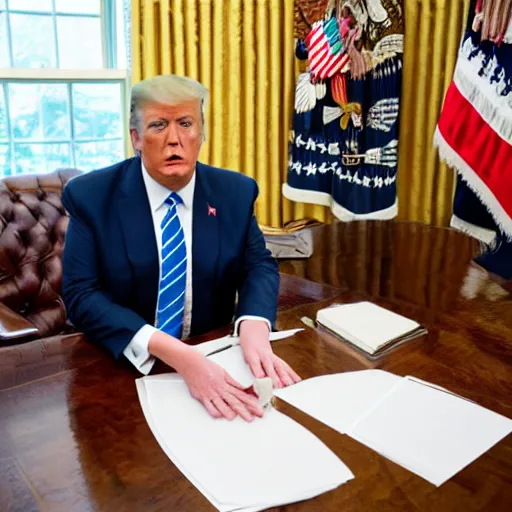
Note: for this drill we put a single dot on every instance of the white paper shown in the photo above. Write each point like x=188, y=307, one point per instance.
x=232, y=360
x=435, y=386
x=281, y=335
x=431, y=432
x=338, y=400
x=210, y=346
x=365, y=324
x=238, y=465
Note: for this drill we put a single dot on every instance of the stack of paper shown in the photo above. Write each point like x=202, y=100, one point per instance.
x=424, y=428
x=431, y=432
x=368, y=326
x=237, y=465
x=338, y=400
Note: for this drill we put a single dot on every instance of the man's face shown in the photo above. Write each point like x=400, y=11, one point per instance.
x=169, y=140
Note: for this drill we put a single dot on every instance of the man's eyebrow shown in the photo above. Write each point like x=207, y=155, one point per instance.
x=187, y=116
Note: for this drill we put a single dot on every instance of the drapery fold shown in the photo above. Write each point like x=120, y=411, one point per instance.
x=433, y=30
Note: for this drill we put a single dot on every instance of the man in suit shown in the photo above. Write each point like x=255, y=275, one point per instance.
x=163, y=240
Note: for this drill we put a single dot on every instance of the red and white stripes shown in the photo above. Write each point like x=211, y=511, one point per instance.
x=323, y=62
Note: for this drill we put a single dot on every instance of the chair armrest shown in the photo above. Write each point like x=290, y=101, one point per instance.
x=13, y=326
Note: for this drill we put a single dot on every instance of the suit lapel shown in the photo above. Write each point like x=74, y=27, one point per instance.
x=205, y=236
x=139, y=234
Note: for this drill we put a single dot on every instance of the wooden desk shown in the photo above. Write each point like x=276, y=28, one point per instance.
x=73, y=437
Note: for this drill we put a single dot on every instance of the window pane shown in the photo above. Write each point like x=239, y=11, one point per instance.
x=78, y=6
x=37, y=158
x=5, y=161
x=97, y=111
x=122, y=25
x=80, y=42
x=33, y=42
x=39, y=111
x=31, y=5
x=3, y=117
x=90, y=156
x=4, y=43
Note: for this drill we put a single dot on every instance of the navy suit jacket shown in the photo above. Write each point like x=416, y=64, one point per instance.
x=111, y=265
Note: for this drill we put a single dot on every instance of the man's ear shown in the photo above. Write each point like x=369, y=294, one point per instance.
x=136, y=140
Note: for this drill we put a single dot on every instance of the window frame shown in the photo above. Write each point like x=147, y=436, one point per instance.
x=110, y=73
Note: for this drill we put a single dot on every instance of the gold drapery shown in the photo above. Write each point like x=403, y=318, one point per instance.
x=433, y=30
x=243, y=52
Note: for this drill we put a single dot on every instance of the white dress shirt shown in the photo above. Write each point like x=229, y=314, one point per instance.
x=137, y=350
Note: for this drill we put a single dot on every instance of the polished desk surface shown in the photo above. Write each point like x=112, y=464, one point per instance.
x=73, y=436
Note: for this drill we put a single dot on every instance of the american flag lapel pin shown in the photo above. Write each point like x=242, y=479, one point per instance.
x=212, y=211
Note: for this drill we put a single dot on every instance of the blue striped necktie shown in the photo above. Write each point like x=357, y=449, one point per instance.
x=171, y=294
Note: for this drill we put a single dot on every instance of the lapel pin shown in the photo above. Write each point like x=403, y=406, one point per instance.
x=212, y=211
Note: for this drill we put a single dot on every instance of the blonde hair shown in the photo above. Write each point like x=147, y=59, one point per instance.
x=165, y=90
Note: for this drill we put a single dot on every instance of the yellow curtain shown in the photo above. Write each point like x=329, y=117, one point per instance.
x=433, y=29
x=243, y=52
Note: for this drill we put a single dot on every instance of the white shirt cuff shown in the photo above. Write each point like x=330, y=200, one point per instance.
x=249, y=317
x=137, y=350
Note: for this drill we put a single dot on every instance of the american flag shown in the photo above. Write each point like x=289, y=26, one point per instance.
x=325, y=50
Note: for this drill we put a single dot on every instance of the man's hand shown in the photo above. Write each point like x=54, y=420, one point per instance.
x=255, y=343
x=217, y=390
x=207, y=381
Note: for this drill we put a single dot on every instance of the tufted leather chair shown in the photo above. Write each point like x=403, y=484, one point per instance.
x=33, y=225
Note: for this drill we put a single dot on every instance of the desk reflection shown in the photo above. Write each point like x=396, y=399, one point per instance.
x=400, y=261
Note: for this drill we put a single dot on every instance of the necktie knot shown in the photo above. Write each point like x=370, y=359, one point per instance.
x=173, y=199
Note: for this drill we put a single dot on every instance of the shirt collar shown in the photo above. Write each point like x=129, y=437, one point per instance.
x=157, y=193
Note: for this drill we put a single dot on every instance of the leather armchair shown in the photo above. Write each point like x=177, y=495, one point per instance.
x=33, y=225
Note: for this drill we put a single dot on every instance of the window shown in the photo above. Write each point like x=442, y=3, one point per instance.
x=62, y=86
